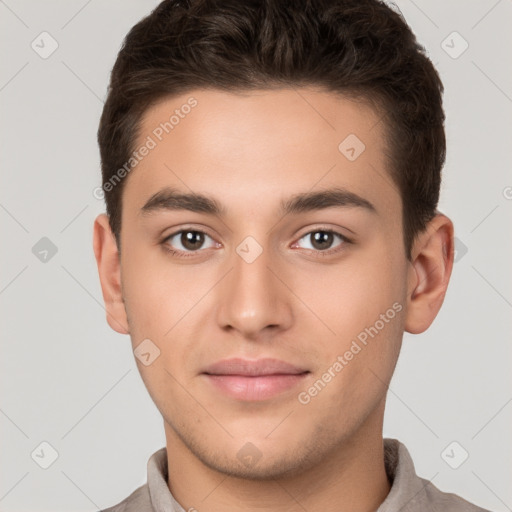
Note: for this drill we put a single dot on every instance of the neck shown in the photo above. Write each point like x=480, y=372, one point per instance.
x=352, y=477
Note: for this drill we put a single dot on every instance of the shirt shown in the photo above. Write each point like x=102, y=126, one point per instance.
x=409, y=492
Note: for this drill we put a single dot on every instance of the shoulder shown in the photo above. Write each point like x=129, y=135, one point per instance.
x=411, y=492
x=438, y=501
x=154, y=490
x=138, y=501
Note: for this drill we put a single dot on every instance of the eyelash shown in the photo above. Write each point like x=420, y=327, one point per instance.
x=189, y=254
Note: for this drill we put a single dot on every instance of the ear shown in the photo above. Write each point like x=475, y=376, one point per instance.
x=109, y=269
x=429, y=273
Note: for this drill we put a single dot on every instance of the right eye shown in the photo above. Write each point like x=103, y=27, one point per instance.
x=186, y=241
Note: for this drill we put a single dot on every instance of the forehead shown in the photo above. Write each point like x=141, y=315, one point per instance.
x=250, y=147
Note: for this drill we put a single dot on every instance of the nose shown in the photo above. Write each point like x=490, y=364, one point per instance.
x=254, y=299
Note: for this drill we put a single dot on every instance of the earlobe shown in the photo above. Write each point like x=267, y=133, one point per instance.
x=429, y=273
x=109, y=270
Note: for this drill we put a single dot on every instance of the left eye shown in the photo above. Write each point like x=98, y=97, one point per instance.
x=322, y=240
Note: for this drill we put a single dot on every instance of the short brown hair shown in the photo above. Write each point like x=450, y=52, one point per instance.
x=360, y=48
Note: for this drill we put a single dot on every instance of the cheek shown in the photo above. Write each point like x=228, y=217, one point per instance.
x=370, y=328
x=157, y=293
x=362, y=302
x=356, y=373
x=351, y=296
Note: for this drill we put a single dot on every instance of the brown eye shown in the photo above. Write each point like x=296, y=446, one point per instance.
x=192, y=240
x=322, y=240
x=188, y=241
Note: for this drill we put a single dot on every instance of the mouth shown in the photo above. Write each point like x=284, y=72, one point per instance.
x=256, y=380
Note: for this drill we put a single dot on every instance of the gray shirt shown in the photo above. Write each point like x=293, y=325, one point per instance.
x=409, y=492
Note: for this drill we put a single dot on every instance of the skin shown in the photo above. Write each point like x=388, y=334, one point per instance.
x=249, y=151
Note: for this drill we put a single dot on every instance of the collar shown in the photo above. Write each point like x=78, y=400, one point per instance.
x=408, y=491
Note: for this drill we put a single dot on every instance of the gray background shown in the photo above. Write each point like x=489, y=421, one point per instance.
x=69, y=380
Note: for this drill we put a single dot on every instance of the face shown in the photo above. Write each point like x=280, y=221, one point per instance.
x=277, y=299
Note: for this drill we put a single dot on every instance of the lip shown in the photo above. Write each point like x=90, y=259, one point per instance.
x=254, y=380
x=253, y=368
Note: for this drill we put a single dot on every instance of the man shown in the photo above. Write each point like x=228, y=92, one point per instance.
x=271, y=172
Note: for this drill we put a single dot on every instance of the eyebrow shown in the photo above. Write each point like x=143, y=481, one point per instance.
x=172, y=199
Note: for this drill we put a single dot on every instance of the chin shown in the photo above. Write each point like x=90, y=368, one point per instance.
x=259, y=468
